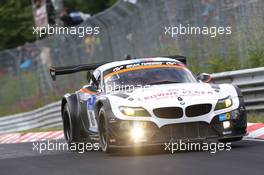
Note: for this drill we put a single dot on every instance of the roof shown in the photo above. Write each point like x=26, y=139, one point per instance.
x=125, y=62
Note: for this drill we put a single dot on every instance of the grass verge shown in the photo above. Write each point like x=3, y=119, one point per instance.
x=255, y=119
x=41, y=130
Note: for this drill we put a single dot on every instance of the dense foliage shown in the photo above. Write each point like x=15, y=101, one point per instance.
x=16, y=18
x=16, y=23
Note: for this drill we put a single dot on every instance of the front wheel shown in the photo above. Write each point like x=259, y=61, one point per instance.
x=103, y=132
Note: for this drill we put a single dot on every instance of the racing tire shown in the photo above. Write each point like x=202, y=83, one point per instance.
x=234, y=139
x=103, y=132
x=70, y=127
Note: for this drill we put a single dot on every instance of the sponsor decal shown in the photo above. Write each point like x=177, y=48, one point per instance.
x=223, y=117
x=227, y=132
x=228, y=116
x=91, y=102
x=91, y=115
x=137, y=64
x=175, y=93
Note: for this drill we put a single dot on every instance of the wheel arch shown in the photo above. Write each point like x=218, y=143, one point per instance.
x=72, y=102
x=102, y=103
x=63, y=103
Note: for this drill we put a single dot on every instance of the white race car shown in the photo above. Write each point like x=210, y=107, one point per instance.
x=150, y=101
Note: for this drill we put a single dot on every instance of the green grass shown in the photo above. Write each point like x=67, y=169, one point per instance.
x=255, y=119
x=14, y=90
x=41, y=130
x=21, y=94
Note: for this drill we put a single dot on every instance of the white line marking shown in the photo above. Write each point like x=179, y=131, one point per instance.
x=253, y=139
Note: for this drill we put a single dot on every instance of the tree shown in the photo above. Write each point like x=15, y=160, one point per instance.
x=16, y=18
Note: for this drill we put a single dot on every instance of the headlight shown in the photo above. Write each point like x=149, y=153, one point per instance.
x=134, y=111
x=137, y=133
x=224, y=103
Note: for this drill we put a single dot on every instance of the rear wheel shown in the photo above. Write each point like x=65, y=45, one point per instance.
x=70, y=126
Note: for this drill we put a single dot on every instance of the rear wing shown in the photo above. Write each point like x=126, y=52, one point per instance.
x=179, y=58
x=54, y=71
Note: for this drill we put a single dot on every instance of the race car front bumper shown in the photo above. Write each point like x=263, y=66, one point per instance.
x=124, y=133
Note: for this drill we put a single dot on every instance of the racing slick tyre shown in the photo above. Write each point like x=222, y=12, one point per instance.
x=70, y=126
x=104, y=132
x=230, y=139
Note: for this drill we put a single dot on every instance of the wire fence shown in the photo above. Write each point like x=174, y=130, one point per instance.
x=135, y=27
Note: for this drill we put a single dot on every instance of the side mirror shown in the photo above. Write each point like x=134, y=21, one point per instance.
x=204, y=77
x=88, y=76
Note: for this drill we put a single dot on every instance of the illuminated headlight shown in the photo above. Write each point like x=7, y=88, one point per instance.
x=134, y=111
x=226, y=124
x=224, y=103
x=137, y=133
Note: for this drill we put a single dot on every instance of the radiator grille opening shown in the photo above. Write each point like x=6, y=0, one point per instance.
x=168, y=112
x=197, y=110
x=192, y=130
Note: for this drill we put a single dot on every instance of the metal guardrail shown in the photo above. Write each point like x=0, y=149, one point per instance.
x=250, y=81
x=45, y=117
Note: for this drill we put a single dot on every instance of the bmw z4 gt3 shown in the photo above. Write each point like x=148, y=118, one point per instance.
x=150, y=101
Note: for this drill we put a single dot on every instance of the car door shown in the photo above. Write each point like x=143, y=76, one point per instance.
x=90, y=93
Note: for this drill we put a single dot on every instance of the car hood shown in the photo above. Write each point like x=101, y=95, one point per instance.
x=180, y=93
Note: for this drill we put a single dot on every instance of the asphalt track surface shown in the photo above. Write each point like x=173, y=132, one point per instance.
x=245, y=157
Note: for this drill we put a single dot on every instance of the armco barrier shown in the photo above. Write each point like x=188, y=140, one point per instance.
x=45, y=117
x=250, y=81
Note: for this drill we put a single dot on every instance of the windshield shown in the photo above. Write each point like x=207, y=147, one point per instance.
x=150, y=76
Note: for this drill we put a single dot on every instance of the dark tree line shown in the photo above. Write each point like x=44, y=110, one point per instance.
x=16, y=18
